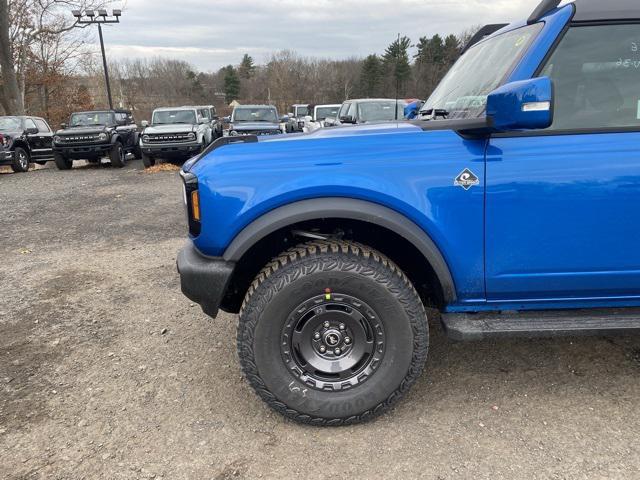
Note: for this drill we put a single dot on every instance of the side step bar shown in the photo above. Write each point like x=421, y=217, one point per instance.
x=548, y=323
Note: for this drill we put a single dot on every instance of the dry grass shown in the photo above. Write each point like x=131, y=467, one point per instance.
x=162, y=167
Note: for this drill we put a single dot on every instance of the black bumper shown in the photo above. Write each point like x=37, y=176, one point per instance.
x=203, y=279
x=80, y=152
x=172, y=150
x=6, y=157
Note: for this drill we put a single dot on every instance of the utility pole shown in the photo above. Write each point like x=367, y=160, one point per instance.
x=99, y=17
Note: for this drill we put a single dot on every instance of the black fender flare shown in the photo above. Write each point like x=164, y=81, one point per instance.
x=347, y=208
x=22, y=142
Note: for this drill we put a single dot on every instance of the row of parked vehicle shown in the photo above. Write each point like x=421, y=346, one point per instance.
x=174, y=133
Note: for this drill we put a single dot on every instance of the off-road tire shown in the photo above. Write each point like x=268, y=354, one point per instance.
x=21, y=160
x=148, y=161
x=117, y=155
x=346, y=268
x=137, y=152
x=62, y=162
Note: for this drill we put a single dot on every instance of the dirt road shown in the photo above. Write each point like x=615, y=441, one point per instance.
x=107, y=371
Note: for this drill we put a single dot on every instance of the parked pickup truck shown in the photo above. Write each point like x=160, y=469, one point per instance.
x=24, y=140
x=174, y=134
x=510, y=205
x=93, y=135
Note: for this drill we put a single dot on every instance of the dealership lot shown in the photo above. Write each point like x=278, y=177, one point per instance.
x=107, y=371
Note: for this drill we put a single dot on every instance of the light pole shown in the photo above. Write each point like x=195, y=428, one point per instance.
x=98, y=17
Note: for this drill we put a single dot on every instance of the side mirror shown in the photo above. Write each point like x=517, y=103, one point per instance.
x=329, y=122
x=63, y=126
x=31, y=131
x=144, y=123
x=347, y=119
x=284, y=119
x=523, y=105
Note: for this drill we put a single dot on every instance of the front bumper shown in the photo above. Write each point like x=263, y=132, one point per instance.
x=79, y=152
x=171, y=149
x=204, y=280
x=6, y=157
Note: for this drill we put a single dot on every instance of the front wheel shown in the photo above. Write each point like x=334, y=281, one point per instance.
x=117, y=155
x=20, y=161
x=62, y=162
x=148, y=161
x=332, y=333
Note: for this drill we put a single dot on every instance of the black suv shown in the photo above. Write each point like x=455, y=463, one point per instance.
x=94, y=135
x=24, y=140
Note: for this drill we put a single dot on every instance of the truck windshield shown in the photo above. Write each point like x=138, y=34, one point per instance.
x=169, y=117
x=382, y=111
x=255, y=115
x=463, y=92
x=322, y=113
x=10, y=124
x=88, y=119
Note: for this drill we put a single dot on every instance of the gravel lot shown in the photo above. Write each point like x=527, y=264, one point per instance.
x=91, y=387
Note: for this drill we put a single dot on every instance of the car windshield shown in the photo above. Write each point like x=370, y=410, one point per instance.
x=255, y=115
x=382, y=111
x=169, y=117
x=302, y=111
x=463, y=91
x=322, y=113
x=87, y=119
x=9, y=124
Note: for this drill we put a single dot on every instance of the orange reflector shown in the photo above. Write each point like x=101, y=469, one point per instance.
x=195, y=205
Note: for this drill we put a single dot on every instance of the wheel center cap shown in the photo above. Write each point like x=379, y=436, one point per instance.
x=332, y=338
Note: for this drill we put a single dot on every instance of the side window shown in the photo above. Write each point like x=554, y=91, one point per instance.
x=122, y=118
x=596, y=75
x=353, y=110
x=28, y=123
x=343, y=110
x=42, y=126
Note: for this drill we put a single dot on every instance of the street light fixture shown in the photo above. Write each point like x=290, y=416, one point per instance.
x=91, y=17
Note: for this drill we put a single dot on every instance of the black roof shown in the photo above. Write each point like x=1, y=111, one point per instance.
x=593, y=10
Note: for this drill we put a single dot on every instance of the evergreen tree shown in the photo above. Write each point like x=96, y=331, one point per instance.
x=371, y=76
x=247, y=67
x=396, y=61
x=231, y=83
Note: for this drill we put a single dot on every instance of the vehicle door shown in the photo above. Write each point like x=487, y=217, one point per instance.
x=125, y=129
x=562, y=217
x=33, y=139
x=44, y=140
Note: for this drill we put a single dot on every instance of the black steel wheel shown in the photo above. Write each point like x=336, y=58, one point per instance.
x=333, y=341
x=332, y=333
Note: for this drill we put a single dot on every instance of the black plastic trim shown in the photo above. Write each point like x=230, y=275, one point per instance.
x=203, y=279
x=599, y=10
x=346, y=208
x=542, y=9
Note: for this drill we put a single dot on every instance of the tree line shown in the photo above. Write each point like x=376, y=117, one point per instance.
x=47, y=69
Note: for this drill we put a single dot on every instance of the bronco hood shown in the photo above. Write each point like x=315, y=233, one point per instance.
x=172, y=128
x=241, y=126
x=84, y=130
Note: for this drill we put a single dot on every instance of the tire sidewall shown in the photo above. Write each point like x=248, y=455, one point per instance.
x=278, y=298
x=18, y=167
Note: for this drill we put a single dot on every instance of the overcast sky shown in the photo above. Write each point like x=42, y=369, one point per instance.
x=214, y=33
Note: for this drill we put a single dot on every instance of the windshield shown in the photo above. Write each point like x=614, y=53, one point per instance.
x=322, y=113
x=301, y=111
x=87, y=119
x=463, y=91
x=255, y=115
x=9, y=124
x=169, y=117
x=383, y=111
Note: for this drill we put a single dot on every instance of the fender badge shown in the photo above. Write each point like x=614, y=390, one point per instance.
x=466, y=179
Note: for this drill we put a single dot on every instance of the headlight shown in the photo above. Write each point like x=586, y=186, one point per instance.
x=103, y=137
x=57, y=139
x=191, y=136
x=145, y=138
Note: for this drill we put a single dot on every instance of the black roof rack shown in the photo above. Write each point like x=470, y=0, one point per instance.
x=541, y=10
x=483, y=33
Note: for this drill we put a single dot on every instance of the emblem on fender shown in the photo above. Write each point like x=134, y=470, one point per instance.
x=466, y=179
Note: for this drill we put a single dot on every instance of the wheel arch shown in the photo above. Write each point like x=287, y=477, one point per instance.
x=401, y=234
x=23, y=144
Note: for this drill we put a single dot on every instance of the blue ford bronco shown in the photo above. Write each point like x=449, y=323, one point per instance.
x=510, y=205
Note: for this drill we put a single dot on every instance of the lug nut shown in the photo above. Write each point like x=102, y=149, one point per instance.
x=323, y=349
x=337, y=351
x=317, y=336
x=326, y=324
x=342, y=327
x=347, y=340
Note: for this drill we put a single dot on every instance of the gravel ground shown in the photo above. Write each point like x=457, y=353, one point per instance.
x=107, y=371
